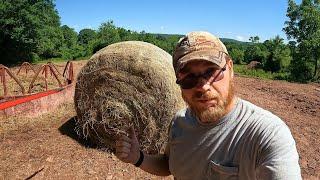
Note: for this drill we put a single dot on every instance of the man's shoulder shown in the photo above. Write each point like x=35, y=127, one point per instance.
x=181, y=113
x=258, y=114
x=262, y=123
x=181, y=116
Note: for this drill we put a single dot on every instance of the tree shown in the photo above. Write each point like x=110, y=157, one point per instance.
x=107, y=34
x=70, y=48
x=255, y=52
x=254, y=39
x=85, y=36
x=237, y=55
x=70, y=36
x=303, y=27
x=28, y=29
x=279, y=55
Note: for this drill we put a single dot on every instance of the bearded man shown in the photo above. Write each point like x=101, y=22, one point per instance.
x=219, y=135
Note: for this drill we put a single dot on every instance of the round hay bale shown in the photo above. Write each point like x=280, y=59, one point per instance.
x=254, y=65
x=127, y=84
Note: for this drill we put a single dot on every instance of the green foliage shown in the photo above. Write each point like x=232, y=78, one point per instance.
x=107, y=34
x=279, y=55
x=260, y=73
x=28, y=28
x=303, y=28
x=236, y=49
x=237, y=55
x=254, y=39
x=70, y=48
x=256, y=52
x=85, y=36
x=300, y=69
x=70, y=37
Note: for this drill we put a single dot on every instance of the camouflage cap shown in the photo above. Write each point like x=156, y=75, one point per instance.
x=199, y=45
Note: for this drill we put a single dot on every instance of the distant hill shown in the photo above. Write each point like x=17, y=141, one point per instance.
x=228, y=40
x=224, y=40
x=167, y=35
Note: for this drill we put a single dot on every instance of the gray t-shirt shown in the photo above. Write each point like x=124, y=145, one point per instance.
x=248, y=143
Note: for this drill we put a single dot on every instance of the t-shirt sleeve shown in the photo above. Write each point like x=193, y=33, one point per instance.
x=277, y=156
x=167, y=146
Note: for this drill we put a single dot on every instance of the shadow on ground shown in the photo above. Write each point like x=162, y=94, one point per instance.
x=68, y=129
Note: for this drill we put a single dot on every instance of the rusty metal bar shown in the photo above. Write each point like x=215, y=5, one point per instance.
x=5, y=69
x=34, y=78
x=46, y=77
x=55, y=75
x=71, y=72
x=54, y=66
x=3, y=80
x=45, y=70
x=27, y=66
x=68, y=72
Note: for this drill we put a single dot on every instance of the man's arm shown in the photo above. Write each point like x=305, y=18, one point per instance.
x=128, y=151
x=156, y=164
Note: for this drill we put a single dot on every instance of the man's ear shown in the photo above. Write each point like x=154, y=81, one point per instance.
x=230, y=66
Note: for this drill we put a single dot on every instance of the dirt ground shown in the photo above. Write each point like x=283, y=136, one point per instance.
x=43, y=148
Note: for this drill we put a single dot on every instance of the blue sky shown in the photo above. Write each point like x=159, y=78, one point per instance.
x=236, y=19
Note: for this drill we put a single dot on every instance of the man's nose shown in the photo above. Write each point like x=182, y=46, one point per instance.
x=203, y=84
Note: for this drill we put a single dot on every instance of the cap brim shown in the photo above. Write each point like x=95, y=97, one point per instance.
x=214, y=56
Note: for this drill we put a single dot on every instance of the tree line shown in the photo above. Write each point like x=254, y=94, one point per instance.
x=31, y=31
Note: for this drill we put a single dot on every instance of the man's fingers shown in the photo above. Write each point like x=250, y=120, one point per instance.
x=123, y=150
x=120, y=144
x=122, y=155
x=132, y=132
x=124, y=138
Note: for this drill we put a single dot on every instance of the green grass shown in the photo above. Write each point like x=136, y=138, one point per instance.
x=56, y=60
x=260, y=73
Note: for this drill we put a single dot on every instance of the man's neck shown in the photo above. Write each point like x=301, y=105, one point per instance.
x=231, y=105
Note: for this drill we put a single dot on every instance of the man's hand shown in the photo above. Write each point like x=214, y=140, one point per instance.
x=128, y=148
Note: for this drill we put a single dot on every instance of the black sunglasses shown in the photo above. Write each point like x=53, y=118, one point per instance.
x=192, y=80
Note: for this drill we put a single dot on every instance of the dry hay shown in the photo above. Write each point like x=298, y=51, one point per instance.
x=127, y=84
x=254, y=65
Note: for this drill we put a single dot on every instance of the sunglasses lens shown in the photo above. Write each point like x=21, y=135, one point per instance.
x=218, y=76
x=188, y=83
x=208, y=74
x=192, y=81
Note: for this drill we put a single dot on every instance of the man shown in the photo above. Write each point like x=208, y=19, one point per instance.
x=219, y=136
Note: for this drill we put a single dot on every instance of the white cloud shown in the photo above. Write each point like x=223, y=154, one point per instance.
x=240, y=38
x=162, y=27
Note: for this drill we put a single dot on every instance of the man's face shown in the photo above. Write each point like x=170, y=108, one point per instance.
x=209, y=101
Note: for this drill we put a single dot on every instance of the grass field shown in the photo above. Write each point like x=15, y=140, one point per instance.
x=258, y=73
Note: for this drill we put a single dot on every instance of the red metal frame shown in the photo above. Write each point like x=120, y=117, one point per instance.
x=27, y=67
x=3, y=70
x=45, y=70
x=68, y=72
x=10, y=101
x=21, y=100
